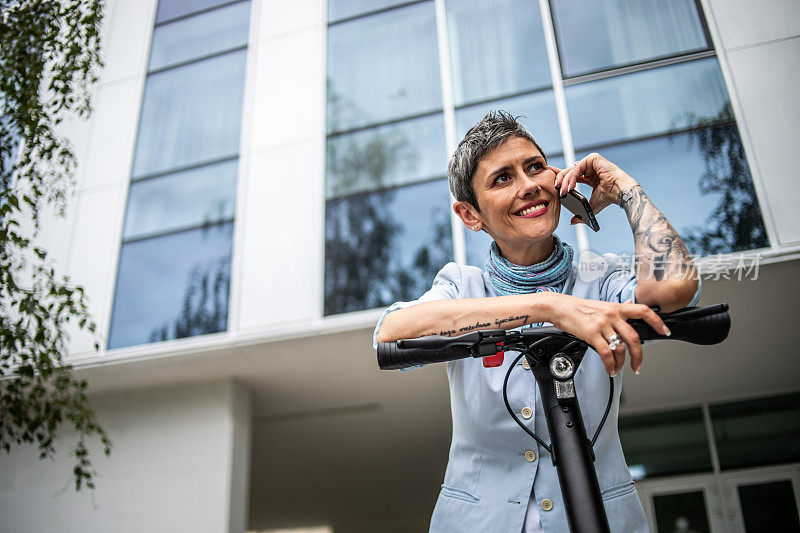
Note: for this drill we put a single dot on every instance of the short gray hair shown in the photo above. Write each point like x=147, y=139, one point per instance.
x=480, y=140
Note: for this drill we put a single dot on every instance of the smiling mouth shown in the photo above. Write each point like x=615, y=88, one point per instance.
x=534, y=210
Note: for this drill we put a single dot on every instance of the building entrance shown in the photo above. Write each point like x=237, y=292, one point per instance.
x=751, y=500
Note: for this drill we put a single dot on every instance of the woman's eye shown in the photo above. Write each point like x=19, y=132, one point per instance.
x=502, y=178
x=536, y=166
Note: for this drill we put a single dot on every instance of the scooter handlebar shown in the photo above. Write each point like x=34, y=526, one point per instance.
x=390, y=357
x=697, y=325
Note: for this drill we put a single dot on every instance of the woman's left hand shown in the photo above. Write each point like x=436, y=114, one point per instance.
x=605, y=178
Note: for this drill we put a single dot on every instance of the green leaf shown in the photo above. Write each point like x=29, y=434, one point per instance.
x=55, y=47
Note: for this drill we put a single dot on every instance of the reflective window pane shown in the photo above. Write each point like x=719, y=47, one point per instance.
x=395, y=154
x=700, y=181
x=769, y=507
x=200, y=196
x=173, y=286
x=538, y=112
x=341, y=9
x=665, y=443
x=170, y=9
x=385, y=246
x=191, y=114
x=647, y=102
x=383, y=67
x=214, y=31
x=624, y=31
x=682, y=512
x=496, y=48
x=757, y=432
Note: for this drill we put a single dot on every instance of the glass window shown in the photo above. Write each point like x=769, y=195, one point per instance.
x=204, y=34
x=757, y=432
x=342, y=9
x=383, y=67
x=496, y=48
x=385, y=246
x=665, y=443
x=191, y=114
x=700, y=181
x=596, y=35
x=173, y=275
x=173, y=286
x=538, y=112
x=170, y=9
x=395, y=154
x=205, y=195
x=477, y=242
x=684, y=511
x=769, y=506
x=647, y=102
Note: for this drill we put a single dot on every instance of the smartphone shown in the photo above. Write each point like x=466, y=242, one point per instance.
x=577, y=204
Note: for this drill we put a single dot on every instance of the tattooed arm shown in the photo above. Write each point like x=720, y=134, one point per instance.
x=666, y=275
x=591, y=320
x=456, y=317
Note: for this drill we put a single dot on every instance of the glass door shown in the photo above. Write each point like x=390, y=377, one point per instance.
x=754, y=500
x=765, y=499
x=690, y=504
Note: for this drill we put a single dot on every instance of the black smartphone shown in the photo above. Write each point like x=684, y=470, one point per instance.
x=577, y=204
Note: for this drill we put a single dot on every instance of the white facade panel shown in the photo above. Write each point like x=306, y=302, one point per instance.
x=746, y=22
x=767, y=80
x=94, y=247
x=281, y=208
x=126, y=38
x=277, y=17
x=113, y=134
x=289, y=89
x=283, y=223
x=170, y=468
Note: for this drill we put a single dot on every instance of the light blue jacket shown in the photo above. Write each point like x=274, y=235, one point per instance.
x=488, y=481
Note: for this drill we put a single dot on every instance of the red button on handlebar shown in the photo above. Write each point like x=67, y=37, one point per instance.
x=492, y=361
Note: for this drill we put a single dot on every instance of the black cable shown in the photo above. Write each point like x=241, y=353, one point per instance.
x=608, y=408
x=508, y=406
x=524, y=427
x=610, y=395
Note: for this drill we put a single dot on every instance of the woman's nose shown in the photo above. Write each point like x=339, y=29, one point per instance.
x=528, y=187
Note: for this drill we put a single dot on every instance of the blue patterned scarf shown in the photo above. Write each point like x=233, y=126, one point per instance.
x=549, y=275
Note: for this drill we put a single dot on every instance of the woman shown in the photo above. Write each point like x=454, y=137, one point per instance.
x=497, y=479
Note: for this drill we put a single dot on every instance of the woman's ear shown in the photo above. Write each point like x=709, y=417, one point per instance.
x=468, y=215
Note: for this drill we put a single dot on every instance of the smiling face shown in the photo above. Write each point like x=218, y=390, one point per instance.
x=517, y=200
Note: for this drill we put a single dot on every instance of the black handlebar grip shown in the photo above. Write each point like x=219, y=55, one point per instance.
x=711, y=329
x=698, y=325
x=390, y=357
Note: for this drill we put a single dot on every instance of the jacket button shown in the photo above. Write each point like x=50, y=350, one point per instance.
x=547, y=505
x=525, y=364
x=530, y=456
x=526, y=412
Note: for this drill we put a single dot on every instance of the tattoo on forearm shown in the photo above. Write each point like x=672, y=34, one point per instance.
x=500, y=321
x=482, y=325
x=476, y=325
x=656, y=240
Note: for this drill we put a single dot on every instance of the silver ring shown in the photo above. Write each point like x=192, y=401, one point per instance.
x=614, y=341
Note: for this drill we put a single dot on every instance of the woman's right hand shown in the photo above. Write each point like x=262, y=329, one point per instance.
x=595, y=321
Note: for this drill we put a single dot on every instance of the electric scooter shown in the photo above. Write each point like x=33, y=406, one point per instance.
x=554, y=356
